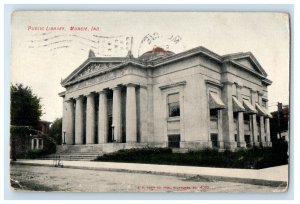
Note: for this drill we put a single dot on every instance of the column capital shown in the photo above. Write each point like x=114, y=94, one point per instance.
x=143, y=86
x=79, y=97
x=131, y=85
x=239, y=85
x=260, y=93
x=69, y=100
x=117, y=87
x=104, y=91
x=90, y=94
x=253, y=91
x=227, y=83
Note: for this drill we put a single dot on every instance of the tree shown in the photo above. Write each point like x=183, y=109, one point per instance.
x=26, y=108
x=25, y=112
x=55, y=131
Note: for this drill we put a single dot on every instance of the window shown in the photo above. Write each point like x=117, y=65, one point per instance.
x=247, y=140
x=214, y=140
x=235, y=121
x=174, y=141
x=213, y=119
x=34, y=144
x=173, y=104
x=247, y=122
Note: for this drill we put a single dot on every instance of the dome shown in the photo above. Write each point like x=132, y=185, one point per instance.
x=157, y=52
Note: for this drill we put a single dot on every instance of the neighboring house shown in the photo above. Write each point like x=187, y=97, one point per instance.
x=280, y=124
x=29, y=138
x=37, y=139
x=194, y=99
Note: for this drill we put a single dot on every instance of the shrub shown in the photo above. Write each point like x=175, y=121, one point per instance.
x=248, y=158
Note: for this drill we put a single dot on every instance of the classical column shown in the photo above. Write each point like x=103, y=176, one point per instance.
x=90, y=119
x=102, y=118
x=262, y=129
x=150, y=107
x=117, y=114
x=63, y=122
x=241, y=131
x=79, y=121
x=228, y=123
x=268, y=136
x=254, y=121
x=143, y=127
x=131, y=126
x=37, y=143
x=254, y=130
x=69, y=123
x=241, y=125
x=261, y=121
x=32, y=143
x=42, y=144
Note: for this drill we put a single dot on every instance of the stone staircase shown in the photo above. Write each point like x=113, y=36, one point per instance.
x=76, y=153
x=88, y=152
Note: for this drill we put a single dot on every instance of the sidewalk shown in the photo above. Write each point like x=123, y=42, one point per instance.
x=273, y=176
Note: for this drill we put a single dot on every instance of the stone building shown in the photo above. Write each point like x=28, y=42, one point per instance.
x=192, y=100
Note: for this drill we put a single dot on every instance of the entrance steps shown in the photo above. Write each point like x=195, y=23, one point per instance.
x=88, y=152
x=77, y=152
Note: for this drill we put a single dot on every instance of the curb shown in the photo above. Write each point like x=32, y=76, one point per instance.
x=187, y=176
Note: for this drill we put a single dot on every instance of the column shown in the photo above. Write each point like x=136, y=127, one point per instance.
x=262, y=130
x=79, y=121
x=268, y=136
x=261, y=121
x=220, y=129
x=117, y=114
x=241, y=135
x=37, y=143
x=102, y=118
x=42, y=143
x=228, y=127
x=254, y=130
x=254, y=121
x=241, y=126
x=131, y=131
x=32, y=144
x=90, y=119
x=143, y=114
x=150, y=111
x=69, y=123
x=64, y=118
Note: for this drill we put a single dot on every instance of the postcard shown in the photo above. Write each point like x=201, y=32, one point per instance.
x=115, y=101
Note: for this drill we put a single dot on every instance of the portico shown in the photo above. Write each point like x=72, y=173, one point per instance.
x=82, y=114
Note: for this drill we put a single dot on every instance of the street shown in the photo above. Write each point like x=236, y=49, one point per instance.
x=42, y=178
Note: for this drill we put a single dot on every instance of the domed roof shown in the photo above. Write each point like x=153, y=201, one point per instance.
x=156, y=52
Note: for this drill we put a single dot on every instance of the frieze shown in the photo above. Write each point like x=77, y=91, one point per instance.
x=95, y=67
x=99, y=79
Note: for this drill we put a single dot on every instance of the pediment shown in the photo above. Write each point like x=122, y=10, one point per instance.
x=88, y=69
x=248, y=61
x=92, y=68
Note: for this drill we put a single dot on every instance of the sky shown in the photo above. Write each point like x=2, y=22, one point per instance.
x=41, y=58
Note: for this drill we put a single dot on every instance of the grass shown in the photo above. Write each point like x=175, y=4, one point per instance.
x=255, y=158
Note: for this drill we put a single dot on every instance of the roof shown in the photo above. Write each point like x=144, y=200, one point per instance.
x=158, y=57
x=155, y=53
